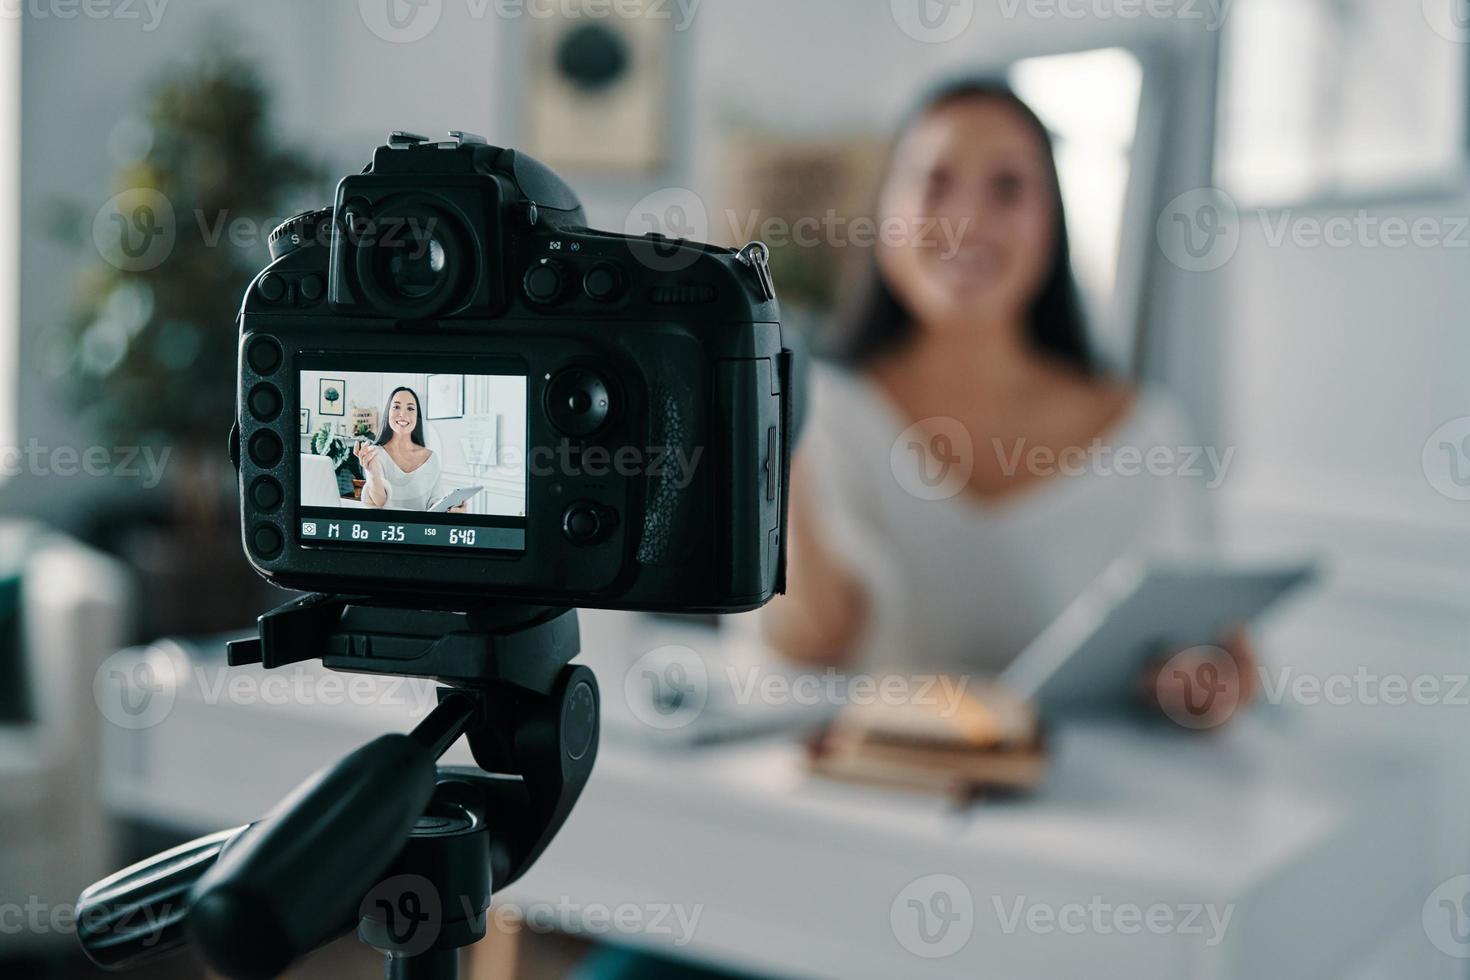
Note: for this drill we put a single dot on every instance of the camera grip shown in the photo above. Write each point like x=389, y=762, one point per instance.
x=294, y=880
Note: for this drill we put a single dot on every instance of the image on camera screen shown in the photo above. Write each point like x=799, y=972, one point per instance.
x=413, y=458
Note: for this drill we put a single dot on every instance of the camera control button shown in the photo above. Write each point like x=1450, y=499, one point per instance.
x=312, y=288
x=266, y=541
x=265, y=402
x=603, y=283
x=543, y=282
x=581, y=522
x=272, y=287
x=266, y=494
x=266, y=449
x=264, y=356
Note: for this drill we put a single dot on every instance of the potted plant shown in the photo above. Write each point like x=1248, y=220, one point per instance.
x=325, y=442
x=147, y=357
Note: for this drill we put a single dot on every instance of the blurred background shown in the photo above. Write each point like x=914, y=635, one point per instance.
x=1269, y=210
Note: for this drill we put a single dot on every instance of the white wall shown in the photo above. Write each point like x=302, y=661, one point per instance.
x=1323, y=332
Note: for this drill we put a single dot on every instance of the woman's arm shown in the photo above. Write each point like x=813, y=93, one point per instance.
x=374, y=487
x=825, y=607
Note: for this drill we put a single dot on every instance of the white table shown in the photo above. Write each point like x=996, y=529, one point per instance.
x=1320, y=855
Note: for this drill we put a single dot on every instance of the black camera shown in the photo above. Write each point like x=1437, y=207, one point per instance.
x=493, y=401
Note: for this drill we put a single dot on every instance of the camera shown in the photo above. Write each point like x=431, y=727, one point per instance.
x=452, y=391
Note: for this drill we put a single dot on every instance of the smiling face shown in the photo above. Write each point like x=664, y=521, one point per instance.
x=401, y=418
x=403, y=413
x=973, y=172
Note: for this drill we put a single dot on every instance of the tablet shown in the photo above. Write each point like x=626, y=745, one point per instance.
x=453, y=499
x=1089, y=658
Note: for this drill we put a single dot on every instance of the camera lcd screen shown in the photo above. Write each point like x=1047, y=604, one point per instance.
x=426, y=458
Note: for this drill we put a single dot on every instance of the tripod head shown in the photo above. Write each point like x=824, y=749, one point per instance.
x=385, y=840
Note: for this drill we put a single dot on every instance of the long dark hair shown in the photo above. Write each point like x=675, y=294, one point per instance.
x=877, y=322
x=386, y=431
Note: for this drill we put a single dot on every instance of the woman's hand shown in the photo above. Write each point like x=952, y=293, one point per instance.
x=463, y=508
x=370, y=455
x=1204, y=687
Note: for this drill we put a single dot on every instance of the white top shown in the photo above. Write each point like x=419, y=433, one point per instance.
x=955, y=583
x=411, y=491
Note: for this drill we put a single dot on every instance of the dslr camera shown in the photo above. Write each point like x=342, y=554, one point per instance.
x=451, y=391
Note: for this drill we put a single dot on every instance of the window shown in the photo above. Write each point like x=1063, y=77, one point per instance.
x=1089, y=101
x=1332, y=99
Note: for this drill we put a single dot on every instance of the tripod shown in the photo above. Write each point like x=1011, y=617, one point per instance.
x=384, y=840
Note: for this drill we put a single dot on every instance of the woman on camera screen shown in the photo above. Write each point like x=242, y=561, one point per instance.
x=958, y=485
x=401, y=472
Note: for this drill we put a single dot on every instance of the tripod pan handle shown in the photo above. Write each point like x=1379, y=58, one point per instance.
x=295, y=879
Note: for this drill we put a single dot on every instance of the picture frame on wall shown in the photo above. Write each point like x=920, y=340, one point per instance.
x=597, y=96
x=306, y=422
x=445, y=396
x=364, y=421
x=331, y=396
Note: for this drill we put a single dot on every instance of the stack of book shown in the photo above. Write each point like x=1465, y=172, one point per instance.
x=981, y=742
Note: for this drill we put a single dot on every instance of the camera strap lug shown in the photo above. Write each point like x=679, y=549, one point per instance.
x=757, y=257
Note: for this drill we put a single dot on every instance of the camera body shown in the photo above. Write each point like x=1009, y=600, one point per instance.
x=453, y=392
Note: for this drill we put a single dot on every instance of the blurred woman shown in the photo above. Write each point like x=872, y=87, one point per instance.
x=959, y=482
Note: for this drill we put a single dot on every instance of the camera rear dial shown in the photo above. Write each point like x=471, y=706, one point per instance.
x=578, y=402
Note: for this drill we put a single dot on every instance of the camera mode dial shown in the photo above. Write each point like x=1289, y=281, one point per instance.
x=298, y=231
